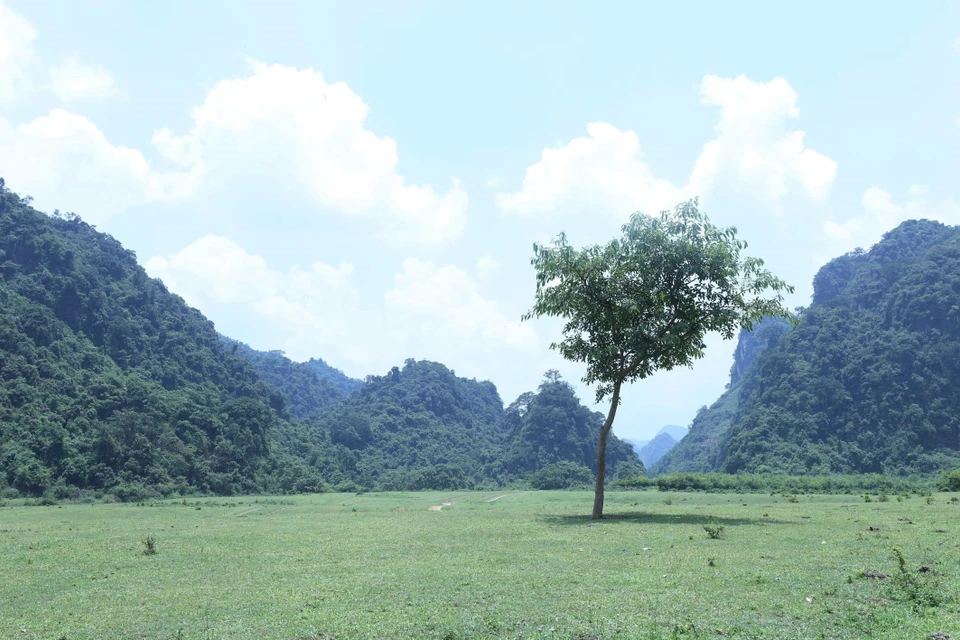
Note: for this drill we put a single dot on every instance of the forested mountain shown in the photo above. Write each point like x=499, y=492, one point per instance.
x=402, y=429
x=337, y=378
x=869, y=381
x=305, y=391
x=699, y=448
x=110, y=383
x=551, y=425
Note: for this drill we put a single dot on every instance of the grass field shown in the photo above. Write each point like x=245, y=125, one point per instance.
x=527, y=565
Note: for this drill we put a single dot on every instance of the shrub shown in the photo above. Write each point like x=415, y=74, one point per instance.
x=950, y=481
x=561, y=475
x=714, y=532
x=149, y=546
x=920, y=588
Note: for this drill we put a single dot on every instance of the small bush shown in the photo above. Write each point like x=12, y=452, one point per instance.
x=951, y=481
x=714, y=532
x=929, y=499
x=149, y=546
x=918, y=588
x=883, y=498
x=711, y=562
x=867, y=498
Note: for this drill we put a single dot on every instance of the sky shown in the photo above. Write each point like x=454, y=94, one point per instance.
x=364, y=182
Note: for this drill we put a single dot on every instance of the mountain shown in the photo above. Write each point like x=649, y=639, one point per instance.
x=550, y=426
x=306, y=392
x=699, y=448
x=868, y=381
x=675, y=431
x=656, y=448
x=109, y=382
x=415, y=420
x=337, y=378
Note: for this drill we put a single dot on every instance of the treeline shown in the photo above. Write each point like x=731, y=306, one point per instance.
x=762, y=483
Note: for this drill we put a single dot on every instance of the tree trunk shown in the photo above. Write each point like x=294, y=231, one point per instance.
x=602, y=454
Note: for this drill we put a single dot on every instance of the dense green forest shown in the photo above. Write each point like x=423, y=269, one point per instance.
x=867, y=382
x=308, y=387
x=551, y=426
x=109, y=383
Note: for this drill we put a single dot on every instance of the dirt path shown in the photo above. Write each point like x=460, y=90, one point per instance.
x=270, y=513
x=518, y=493
x=240, y=515
x=448, y=502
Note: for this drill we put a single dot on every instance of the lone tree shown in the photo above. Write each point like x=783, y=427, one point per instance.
x=646, y=302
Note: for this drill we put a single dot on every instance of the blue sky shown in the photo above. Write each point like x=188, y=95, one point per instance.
x=363, y=182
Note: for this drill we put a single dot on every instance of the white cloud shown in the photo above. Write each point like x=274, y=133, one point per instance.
x=64, y=161
x=605, y=170
x=753, y=148
x=17, y=61
x=753, y=152
x=311, y=311
x=283, y=125
x=73, y=81
x=881, y=214
x=430, y=311
x=445, y=303
x=487, y=266
x=289, y=124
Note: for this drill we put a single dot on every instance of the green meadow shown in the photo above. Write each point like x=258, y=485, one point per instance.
x=508, y=564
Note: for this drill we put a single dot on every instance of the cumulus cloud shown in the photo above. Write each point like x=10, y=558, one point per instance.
x=282, y=125
x=604, y=170
x=280, y=122
x=445, y=302
x=17, y=60
x=64, y=161
x=311, y=310
x=74, y=81
x=753, y=148
x=881, y=214
x=753, y=151
x=430, y=311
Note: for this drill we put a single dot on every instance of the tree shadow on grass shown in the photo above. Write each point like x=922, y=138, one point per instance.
x=639, y=517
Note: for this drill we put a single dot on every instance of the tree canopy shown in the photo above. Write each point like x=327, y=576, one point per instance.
x=646, y=301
